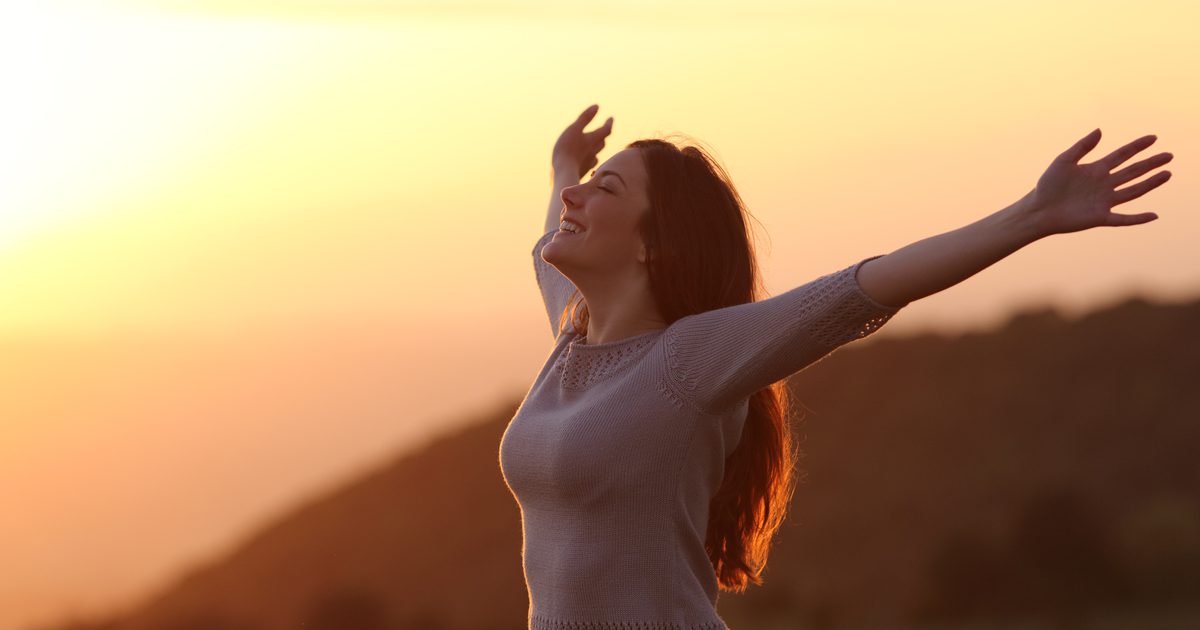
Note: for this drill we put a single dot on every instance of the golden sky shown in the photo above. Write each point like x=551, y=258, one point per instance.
x=258, y=186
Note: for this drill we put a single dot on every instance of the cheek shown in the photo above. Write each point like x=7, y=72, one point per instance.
x=612, y=231
x=613, y=225
x=618, y=239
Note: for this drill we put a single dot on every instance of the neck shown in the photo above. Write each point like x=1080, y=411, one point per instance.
x=619, y=310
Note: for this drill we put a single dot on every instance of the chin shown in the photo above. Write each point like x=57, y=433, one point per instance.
x=550, y=252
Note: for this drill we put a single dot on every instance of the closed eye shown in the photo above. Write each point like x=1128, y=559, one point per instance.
x=601, y=187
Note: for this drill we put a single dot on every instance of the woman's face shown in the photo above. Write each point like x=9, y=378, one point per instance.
x=607, y=207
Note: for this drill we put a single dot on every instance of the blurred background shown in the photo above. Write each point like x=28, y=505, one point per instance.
x=267, y=301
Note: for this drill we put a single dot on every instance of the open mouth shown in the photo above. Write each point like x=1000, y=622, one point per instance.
x=576, y=228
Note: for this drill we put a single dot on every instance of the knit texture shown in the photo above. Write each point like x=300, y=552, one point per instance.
x=618, y=447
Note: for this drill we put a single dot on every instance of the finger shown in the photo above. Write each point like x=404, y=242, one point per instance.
x=1117, y=220
x=602, y=130
x=1134, y=171
x=1080, y=148
x=1116, y=158
x=1130, y=193
x=585, y=117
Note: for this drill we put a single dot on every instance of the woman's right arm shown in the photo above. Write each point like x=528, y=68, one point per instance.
x=556, y=289
x=574, y=153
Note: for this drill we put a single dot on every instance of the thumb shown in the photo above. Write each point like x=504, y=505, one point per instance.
x=1115, y=219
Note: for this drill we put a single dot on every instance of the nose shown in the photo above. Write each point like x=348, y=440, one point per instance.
x=570, y=195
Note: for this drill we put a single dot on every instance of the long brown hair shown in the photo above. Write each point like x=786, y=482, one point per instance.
x=701, y=257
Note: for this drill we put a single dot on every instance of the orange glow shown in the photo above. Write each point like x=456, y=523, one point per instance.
x=221, y=221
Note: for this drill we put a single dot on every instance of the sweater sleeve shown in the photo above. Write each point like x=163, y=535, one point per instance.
x=555, y=287
x=718, y=357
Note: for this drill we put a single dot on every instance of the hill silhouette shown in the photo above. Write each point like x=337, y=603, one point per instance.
x=1044, y=470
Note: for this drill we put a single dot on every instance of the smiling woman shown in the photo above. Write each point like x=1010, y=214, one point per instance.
x=662, y=401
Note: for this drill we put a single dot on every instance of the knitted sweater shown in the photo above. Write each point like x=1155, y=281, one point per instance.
x=617, y=448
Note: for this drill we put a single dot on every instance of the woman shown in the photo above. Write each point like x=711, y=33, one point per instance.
x=652, y=459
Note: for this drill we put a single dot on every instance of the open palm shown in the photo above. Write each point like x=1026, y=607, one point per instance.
x=1071, y=196
x=575, y=151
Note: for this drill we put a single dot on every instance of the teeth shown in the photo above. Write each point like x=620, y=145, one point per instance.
x=570, y=226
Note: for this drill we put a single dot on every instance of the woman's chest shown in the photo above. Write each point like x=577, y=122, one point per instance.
x=614, y=437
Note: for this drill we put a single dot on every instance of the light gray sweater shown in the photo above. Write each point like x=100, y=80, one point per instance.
x=617, y=448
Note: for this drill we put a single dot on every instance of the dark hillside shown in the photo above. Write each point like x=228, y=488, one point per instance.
x=1043, y=470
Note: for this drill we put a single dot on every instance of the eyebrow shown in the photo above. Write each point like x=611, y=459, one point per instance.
x=614, y=173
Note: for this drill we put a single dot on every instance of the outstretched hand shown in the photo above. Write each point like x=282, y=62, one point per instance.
x=576, y=149
x=1071, y=197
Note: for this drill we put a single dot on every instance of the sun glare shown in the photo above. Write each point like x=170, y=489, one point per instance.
x=99, y=100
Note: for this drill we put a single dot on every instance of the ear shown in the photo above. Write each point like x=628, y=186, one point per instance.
x=644, y=253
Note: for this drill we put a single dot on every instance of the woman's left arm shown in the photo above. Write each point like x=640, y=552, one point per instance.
x=1069, y=197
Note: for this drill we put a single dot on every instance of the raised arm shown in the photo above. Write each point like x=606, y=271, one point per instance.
x=574, y=153
x=556, y=288
x=1069, y=197
x=718, y=357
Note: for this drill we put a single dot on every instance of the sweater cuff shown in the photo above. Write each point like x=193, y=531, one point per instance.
x=862, y=295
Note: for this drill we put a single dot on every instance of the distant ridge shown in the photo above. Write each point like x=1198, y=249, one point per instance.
x=1048, y=468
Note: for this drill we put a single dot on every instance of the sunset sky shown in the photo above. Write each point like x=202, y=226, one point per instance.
x=249, y=249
